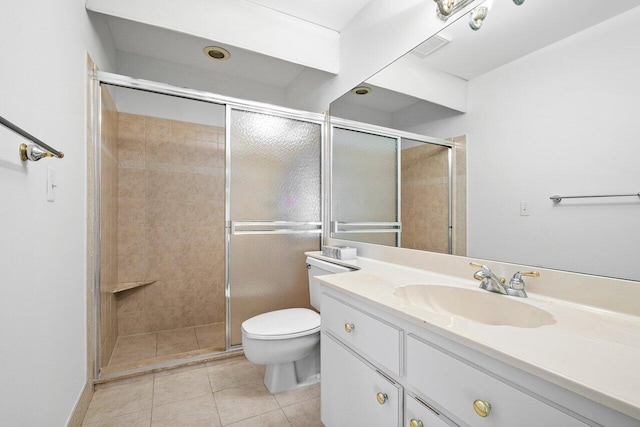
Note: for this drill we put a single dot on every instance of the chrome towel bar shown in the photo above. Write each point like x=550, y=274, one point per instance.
x=557, y=199
x=29, y=152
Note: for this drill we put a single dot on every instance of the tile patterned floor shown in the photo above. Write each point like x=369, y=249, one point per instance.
x=151, y=348
x=223, y=393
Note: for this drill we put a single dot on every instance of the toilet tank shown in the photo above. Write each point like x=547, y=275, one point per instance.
x=317, y=267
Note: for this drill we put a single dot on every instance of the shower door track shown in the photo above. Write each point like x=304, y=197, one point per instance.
x=101, y=77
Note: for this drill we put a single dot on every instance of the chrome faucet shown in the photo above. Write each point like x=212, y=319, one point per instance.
x=492, y=283
x=515, y=287
x=489, y=281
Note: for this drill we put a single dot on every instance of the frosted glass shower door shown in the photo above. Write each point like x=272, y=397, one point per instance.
x=274, y=213
x=364, y=181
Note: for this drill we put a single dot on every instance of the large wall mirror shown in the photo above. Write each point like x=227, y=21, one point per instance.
x=544, y=99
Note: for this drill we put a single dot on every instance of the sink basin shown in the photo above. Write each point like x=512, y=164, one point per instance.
x=479, y=306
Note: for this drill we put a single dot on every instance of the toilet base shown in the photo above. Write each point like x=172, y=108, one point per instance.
x=281, y=377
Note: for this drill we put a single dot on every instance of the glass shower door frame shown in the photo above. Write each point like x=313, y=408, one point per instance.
x=101, y=77
x=338, y=227
x=333, y=226
x=267, y=227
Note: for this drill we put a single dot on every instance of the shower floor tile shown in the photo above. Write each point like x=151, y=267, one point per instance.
x=133, y=351
x=211, y=336
x=134, y=347
x=221, y=393
x=177, y=341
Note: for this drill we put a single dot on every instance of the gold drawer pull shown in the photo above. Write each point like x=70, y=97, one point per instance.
x=349, y=327
x=415, y=423
x=382, y=398
x=482, y=408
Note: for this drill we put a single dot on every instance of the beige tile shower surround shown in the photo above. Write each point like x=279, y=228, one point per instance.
x=222, y=393
x=170, y=224
x=424, y=197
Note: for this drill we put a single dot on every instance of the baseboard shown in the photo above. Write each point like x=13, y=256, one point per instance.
x=80, y=410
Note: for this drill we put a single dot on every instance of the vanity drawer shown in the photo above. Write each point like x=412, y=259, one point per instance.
x=423, y=415
x=456, y=385
x=375, y=339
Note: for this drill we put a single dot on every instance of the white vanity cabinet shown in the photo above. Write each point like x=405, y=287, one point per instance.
x=426, y=380
x=355, y=393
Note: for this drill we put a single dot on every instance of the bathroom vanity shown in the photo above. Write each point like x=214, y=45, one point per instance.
x=397, y=352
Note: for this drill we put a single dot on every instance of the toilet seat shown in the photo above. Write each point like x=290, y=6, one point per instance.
x=282, y=324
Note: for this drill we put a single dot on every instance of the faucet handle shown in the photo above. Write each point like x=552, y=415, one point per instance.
x=484, y=272
x=516, y=284
x=517, y=278
x=475, y=264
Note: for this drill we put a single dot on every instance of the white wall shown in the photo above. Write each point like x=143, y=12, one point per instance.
x=133, y=101
x=408, y=76
x=558, y=121
x=147, y=68
x=362, y=114
x=42, y=245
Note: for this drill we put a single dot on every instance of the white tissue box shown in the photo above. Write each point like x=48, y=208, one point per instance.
x=339, y=252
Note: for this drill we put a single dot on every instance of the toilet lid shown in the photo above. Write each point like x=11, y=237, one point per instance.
x=282, y=324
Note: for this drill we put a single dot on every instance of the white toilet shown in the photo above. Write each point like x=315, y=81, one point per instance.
x=288, y=341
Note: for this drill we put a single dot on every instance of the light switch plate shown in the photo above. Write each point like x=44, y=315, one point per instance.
x=524, y=208
x=51, y=184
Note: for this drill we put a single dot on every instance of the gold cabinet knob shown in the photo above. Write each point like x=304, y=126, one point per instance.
x=349, y=327
x=482, y=407
x=415, y=423
x=382, y=398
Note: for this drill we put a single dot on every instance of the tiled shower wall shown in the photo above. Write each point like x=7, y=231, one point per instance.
x=425, y=194
x=460, y=196
x=170, y=223
x=424, y=197
x=108, y=226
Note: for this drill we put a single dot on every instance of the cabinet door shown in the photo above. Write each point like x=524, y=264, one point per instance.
x=418, y=414
x=456, y=386
x=351, y=389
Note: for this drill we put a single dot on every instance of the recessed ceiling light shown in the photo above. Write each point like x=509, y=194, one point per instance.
x=216, y=52
x=361, y=90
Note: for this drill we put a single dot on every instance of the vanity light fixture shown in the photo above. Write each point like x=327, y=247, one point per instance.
x=447, y=8
x=361, y=90
x=216, y=52
x=476, y=17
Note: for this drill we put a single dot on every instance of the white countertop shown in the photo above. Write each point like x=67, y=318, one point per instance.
x=592, y=352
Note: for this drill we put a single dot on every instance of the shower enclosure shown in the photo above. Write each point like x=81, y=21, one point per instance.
x=205, y=205
x=391, y=187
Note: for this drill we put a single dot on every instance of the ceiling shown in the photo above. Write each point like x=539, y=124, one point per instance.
x=332, y=14
x=179, y=48
x=508, y=33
